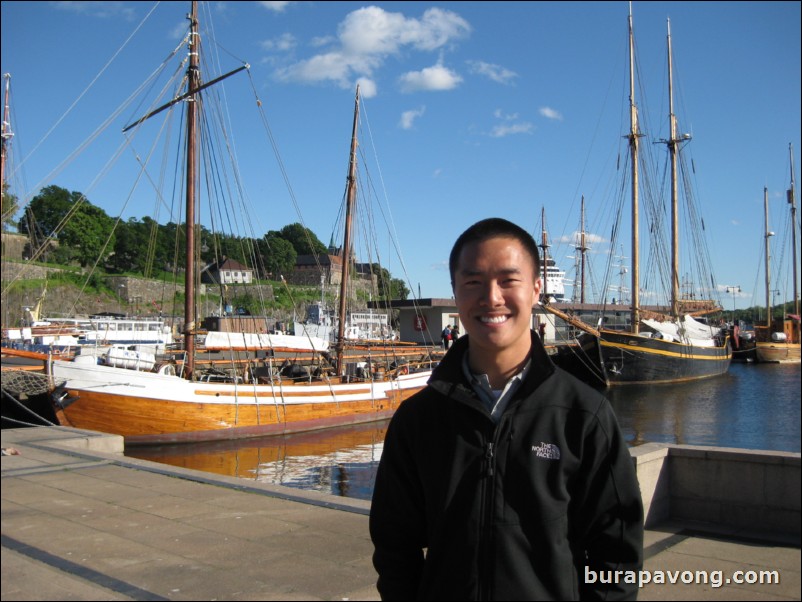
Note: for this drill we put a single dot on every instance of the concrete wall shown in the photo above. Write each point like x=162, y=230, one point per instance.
x=756, y=490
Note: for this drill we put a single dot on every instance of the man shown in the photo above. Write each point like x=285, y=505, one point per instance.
x=505, y=477
x=446, y=336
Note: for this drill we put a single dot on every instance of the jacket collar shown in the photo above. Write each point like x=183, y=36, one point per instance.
x=448, y=376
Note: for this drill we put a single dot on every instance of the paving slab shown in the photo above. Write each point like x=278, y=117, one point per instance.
x=80, y=521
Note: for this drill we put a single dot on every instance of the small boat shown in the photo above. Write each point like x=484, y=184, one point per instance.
x=744, y=346
x=778, y=340
x=273, y=387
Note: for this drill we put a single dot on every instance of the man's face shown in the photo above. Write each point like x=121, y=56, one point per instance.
x=495, y=289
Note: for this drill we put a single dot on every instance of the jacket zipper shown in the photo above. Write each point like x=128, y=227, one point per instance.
x=486, y=551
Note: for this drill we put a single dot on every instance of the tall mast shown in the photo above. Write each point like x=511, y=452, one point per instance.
x=582, y=250
x=193, y=83
x=346, y=254
x=633, y=149
x=7, y=134
x=544, y=264
x=767, y=255
x=673, y=143
x=792, y=202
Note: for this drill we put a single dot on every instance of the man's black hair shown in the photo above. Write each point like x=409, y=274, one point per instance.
x=494, y=227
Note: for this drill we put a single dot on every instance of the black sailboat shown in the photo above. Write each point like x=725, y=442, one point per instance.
x=660, y=344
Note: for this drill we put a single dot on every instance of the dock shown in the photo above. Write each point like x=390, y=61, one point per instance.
x=80, y=521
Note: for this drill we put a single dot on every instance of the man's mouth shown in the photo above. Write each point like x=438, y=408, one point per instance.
x=493, y=319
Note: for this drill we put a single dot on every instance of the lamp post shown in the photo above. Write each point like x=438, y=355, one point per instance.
x=733, y=290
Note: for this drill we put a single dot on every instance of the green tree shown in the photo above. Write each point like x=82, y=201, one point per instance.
x=45, y=213
x=398, y=289
x=90, y=232
x=10, y=206
x=131, y=247
x=278, y=255
x=388, y=287
x=69, y=216
x=302, y=239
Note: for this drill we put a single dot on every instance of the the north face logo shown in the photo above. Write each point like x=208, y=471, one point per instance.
x=547, y=450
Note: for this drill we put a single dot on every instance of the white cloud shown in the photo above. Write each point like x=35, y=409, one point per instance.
x=511, y=125
x=574, y=238
x=283, y=43
x=276, y=6
x=508, y=129
x=497, y=73
x=320, y=41
x=408, y=117
x=434, y=78
x=367, y=87
x=499, y=114
x=103, y=10
x=550, y=113
x=369, y=35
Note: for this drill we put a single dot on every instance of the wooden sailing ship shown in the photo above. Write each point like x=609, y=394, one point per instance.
x=655, y=347
x=276, y=389
x=778, y=341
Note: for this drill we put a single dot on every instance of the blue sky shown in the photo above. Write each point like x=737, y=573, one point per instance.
x=475, y=109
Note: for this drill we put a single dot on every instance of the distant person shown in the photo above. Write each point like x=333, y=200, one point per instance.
x=454, y=333
x=446, y=336
x=505, y=478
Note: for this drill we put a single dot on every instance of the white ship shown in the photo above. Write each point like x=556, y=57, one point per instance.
x=553, y=281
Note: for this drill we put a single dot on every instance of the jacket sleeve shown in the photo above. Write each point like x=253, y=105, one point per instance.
x=397, y=518
x=609, y=514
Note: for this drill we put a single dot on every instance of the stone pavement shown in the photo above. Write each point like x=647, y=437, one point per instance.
x=82, y=522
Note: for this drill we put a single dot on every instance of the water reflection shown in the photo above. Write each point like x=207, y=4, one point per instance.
x=752, y=407
x=341, y=461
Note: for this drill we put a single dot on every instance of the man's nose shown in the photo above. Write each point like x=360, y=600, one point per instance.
x=492, y=293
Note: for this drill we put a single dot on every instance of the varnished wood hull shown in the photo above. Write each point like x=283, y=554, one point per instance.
x=778, y=352
x=148, y=408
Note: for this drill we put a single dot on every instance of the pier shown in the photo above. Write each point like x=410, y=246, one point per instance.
x=80, y=521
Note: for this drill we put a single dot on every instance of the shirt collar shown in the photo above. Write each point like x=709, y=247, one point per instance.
x=495, y=400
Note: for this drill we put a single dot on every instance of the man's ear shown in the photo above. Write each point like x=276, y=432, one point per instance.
x=537, y=288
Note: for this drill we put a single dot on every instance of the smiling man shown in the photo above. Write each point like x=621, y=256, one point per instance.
x=505, y=478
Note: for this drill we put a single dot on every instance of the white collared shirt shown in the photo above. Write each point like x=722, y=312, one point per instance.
x=496, y=400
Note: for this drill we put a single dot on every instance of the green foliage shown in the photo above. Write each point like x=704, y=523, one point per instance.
x=70, y=218
x=398, y=289
x=45, y=212
x=10, y=206
x=389, y=287
x=302, y=239
x=278, y=255
x=90, y=233
x=143, y=247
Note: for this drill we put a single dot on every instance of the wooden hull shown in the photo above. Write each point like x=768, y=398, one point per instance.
x=620, y=358
x=778, y=352
x=148, y=408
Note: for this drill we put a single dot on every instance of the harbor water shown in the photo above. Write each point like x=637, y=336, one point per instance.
x=753, y=406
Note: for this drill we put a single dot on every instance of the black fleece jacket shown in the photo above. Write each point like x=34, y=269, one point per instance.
x=466, y=509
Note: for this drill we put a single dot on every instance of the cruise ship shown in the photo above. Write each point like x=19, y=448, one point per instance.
x=553, y=281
